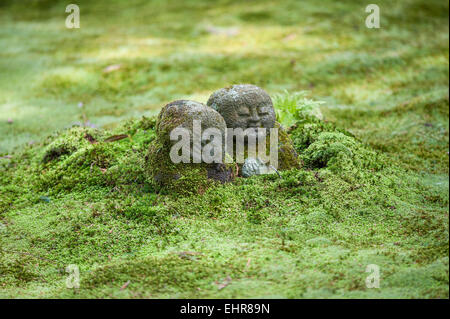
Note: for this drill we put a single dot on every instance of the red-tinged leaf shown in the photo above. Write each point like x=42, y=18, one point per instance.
x=115, y=138
x=125, y=285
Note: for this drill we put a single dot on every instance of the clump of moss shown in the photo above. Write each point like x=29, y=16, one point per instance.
x=86, y=160
x=70, y=141
x=338, y=151
x=321, y=145
x=81, y=157
x=287, y=155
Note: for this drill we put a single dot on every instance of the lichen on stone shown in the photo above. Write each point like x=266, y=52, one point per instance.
x=247, y=106
x=244, y=106
x=185, y=177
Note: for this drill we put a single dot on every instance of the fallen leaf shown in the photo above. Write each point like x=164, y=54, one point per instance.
x=224, y=283
x=248, y=263
x=115, y=138
x=111, y=68
x=125, y=285
x=90, y=138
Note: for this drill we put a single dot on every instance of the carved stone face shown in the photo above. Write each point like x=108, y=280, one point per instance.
x=244, y=106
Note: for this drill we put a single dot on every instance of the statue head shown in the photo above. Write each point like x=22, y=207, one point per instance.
x=182, y=113
x=196, y=119
x=244, y=106
x=189, y=148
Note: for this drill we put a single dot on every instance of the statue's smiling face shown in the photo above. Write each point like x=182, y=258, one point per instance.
x=244, y=106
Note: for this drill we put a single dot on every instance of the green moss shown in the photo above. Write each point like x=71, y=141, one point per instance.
x=16, y=270
x=339, y=152
x=181, y=178
x=373, y=188
x=287, y=155
x=108, y=218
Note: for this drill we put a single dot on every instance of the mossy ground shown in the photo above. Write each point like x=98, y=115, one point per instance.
x=374, y=189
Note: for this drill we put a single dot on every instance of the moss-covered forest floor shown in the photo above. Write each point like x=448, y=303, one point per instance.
x=373, y=190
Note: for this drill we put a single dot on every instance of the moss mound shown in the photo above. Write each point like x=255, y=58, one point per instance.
x=85, y=196
x=322, y=145
x=80, y=157
x=287, y=155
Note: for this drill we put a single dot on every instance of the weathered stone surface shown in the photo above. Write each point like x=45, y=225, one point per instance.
x=185, y=177
x=182, y=113
x=287, y=156
x=244, y=106
x=248, y=106
x=254, y=166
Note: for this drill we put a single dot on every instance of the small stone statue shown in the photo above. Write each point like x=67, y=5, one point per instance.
x=248, y=106
x=244, y=106
x=190, y=176
x=183, y=113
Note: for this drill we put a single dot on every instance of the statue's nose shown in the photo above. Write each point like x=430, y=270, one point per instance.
x=254, y=116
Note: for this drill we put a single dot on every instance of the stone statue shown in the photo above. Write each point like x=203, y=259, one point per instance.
x=192, y=174
x=247, y=106
x=244, y=106
x=197, y=119
x=241, y=106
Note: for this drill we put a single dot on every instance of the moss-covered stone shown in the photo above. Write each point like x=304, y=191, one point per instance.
x=247, y=106
x=185, y=177
x=244, y=106
x=287, y=155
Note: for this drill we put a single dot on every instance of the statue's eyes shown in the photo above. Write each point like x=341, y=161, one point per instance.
x=263, y=110
x=243, y=112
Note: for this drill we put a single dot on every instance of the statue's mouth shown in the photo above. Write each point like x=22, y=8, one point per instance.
x=254, y=125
